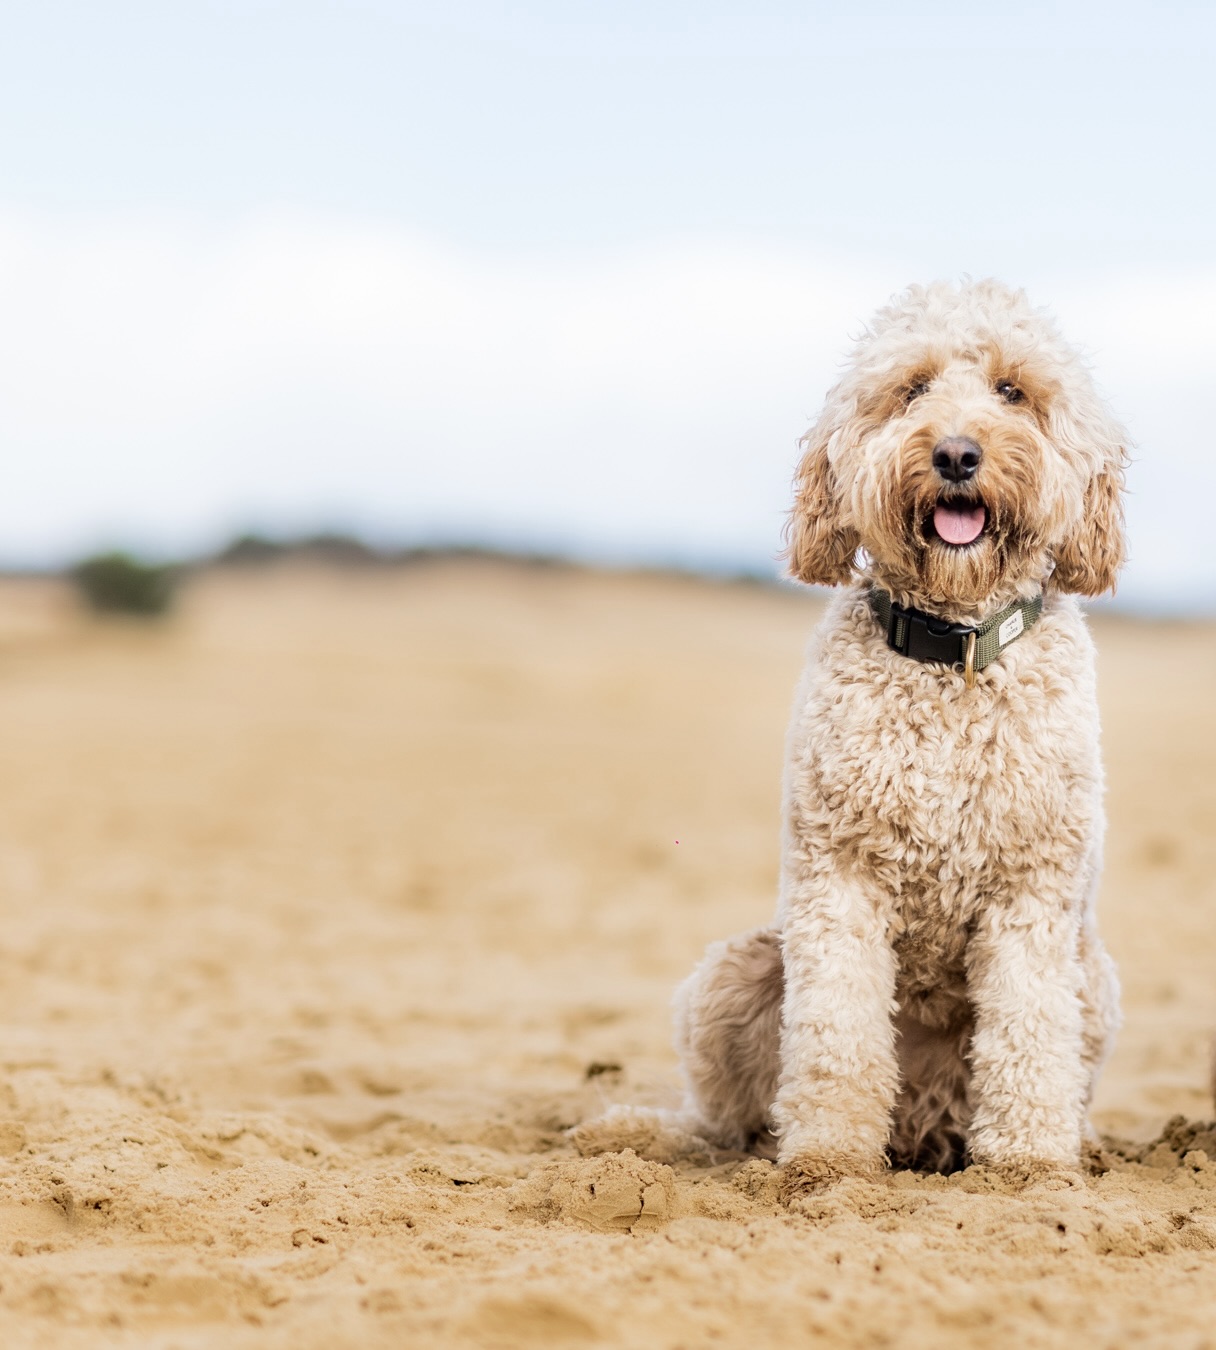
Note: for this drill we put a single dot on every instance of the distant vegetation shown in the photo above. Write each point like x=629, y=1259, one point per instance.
x=255, y=549
x=345, y=550
x=117, y=583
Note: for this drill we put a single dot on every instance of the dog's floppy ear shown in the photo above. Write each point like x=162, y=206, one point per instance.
x=819, y=547
x=1088, y=561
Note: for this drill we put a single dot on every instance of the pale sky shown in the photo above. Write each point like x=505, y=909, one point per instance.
x=568, y=275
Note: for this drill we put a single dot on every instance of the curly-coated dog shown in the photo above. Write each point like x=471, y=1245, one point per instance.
x=934, y=990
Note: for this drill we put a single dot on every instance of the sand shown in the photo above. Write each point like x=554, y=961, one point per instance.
x=331, y=904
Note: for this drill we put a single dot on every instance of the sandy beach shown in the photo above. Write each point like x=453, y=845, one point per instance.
x=333, y=902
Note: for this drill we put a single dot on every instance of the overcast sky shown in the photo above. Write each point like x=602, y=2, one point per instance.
x=566, y=275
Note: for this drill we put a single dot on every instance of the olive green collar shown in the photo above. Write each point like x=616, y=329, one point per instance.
x=925, y=637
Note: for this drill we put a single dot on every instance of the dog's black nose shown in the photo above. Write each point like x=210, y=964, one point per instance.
x=956, y=458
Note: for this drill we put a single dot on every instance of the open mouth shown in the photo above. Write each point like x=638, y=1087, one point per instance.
x=957, y=523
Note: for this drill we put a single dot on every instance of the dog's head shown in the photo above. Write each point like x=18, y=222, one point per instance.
x=966, y=451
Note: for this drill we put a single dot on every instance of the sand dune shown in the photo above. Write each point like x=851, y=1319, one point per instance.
x=332, y=904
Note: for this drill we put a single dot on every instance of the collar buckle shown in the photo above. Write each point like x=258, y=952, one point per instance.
x=926, y=638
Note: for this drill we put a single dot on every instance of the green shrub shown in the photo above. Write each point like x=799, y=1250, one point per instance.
x=116, y=583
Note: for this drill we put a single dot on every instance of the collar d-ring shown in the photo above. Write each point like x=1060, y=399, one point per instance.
x=969, y=661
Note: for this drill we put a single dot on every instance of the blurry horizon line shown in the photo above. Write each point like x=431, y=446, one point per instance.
x=342, y=546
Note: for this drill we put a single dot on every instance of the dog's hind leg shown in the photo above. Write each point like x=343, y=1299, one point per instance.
x=727, y=1033
x=933, y=1108
x=1100, y=1017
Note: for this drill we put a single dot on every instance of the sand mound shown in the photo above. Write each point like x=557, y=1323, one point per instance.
x=342, y=916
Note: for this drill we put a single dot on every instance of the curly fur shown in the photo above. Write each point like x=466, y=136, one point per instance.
x=934, y=989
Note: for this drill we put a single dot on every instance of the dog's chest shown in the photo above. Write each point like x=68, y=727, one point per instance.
x=946, y=796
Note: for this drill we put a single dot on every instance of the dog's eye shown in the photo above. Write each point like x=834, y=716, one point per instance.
x=912, y=392
x=1010, y=392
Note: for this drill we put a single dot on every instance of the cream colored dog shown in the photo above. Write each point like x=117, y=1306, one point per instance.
x=934, y=990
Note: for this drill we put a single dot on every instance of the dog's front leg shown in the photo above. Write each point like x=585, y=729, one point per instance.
x=838, y=1067
x=1028, y=1069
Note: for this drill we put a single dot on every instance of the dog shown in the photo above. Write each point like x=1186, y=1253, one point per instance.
x=934, y=991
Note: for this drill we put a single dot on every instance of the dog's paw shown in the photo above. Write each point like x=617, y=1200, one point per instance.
x=809, y=1175
x=661, y=1136
x=1013, y=1176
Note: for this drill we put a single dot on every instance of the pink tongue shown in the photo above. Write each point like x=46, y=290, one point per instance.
x=958, y=525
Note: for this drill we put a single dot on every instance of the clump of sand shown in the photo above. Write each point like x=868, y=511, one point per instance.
x=341, y=909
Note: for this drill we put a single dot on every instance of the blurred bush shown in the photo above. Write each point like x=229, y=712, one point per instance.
x=116, y=583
